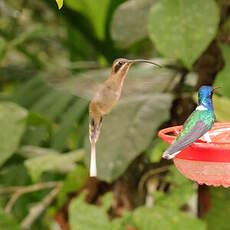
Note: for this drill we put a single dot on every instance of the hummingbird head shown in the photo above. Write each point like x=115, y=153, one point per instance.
x=205, y=96
x=121, y=66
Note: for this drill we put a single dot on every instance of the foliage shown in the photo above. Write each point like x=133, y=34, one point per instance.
x=189, y=30
x=166, y=215
x=52, y=162
x=12, y=121
x=215, y=217
x=52, y=62
x=59, y=3
x=7, y=221
x=222, y=78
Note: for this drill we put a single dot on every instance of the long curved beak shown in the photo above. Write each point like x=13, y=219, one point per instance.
x=143, y=60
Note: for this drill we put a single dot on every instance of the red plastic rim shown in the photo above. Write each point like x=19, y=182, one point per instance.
x=216, y=151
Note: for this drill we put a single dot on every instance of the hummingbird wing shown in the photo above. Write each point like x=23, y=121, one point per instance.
x=198, y=130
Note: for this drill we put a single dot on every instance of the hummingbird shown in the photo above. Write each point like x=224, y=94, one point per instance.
x=105, y=99
x=197, y=124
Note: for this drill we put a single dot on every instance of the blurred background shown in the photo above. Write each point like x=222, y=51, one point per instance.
x=52, y=61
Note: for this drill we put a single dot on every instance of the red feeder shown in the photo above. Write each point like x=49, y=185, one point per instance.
x=205, y=163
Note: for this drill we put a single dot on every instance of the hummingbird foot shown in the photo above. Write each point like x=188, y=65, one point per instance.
x=207, y=138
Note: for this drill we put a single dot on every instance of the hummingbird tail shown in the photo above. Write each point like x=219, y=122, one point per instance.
x=169, y=156
x=93, y=165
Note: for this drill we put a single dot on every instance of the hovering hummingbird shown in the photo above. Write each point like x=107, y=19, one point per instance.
x=105, y=99
x=197, y=124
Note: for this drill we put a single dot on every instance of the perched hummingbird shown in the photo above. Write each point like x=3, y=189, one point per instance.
x=197, y=124
x=104, y=100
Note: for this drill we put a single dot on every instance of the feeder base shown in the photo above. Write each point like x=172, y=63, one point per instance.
x=203, y=172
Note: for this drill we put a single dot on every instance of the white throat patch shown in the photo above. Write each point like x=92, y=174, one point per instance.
x=201, y=107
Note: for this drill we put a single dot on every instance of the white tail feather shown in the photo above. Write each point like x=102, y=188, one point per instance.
x=170, y=156
x=93, y=164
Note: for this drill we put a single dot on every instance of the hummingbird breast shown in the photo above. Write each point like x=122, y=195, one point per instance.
x=106, y=98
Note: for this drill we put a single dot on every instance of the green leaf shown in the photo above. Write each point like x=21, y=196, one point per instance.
x=59, y=3
x=124, y=222
x=35, y=87
x=38, y=129
x=74, y=113
x=8, y=178
x=180, y=191
x=107, y=201
x=12, y=124
x=220, y=105
x=3, y=47
x=96, y=13
x=8, y=222
x=220, y=209
x=158, y=148
x=128, y=131
x=83, y=216
x=74, y=181
x=159, y=218
x=223, y=77
x=129, y=22
x=52, y=161
x=183, y=29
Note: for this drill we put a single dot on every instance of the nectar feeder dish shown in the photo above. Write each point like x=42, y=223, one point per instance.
x=205, y=163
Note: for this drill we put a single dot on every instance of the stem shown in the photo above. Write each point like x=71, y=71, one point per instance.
x=37, y=210
x=19, y=191
x=149, y=174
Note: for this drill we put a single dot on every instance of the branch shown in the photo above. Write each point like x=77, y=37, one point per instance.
x=20, y=190
x=37, y=210
x=151, y=173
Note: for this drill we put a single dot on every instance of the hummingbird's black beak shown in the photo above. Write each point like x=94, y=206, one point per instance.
x=143, y=60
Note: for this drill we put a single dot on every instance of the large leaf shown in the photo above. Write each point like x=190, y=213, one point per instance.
x=8, y=178
x=220, y=105
x=220, y=209
x=12, y=124
x=128, y=131
x=130, y=21
x=180, y=191
x=96, y=12
x=8, y=222
x=90, y=217
x=74, y=112
x=162, y=218
x=74, y=181
x=223, y=77
x=183, y=29
x=52, y=161
x=141, y=80
x=158, y=148
x=83, y=216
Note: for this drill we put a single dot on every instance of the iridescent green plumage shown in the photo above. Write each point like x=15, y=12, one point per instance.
x=205, y=116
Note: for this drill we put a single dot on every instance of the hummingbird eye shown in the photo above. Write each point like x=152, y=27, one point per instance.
x=118, y=66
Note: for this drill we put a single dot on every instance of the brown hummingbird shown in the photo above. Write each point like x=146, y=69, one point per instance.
x=105, y=99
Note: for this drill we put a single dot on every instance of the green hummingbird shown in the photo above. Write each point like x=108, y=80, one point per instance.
x=197, y=125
